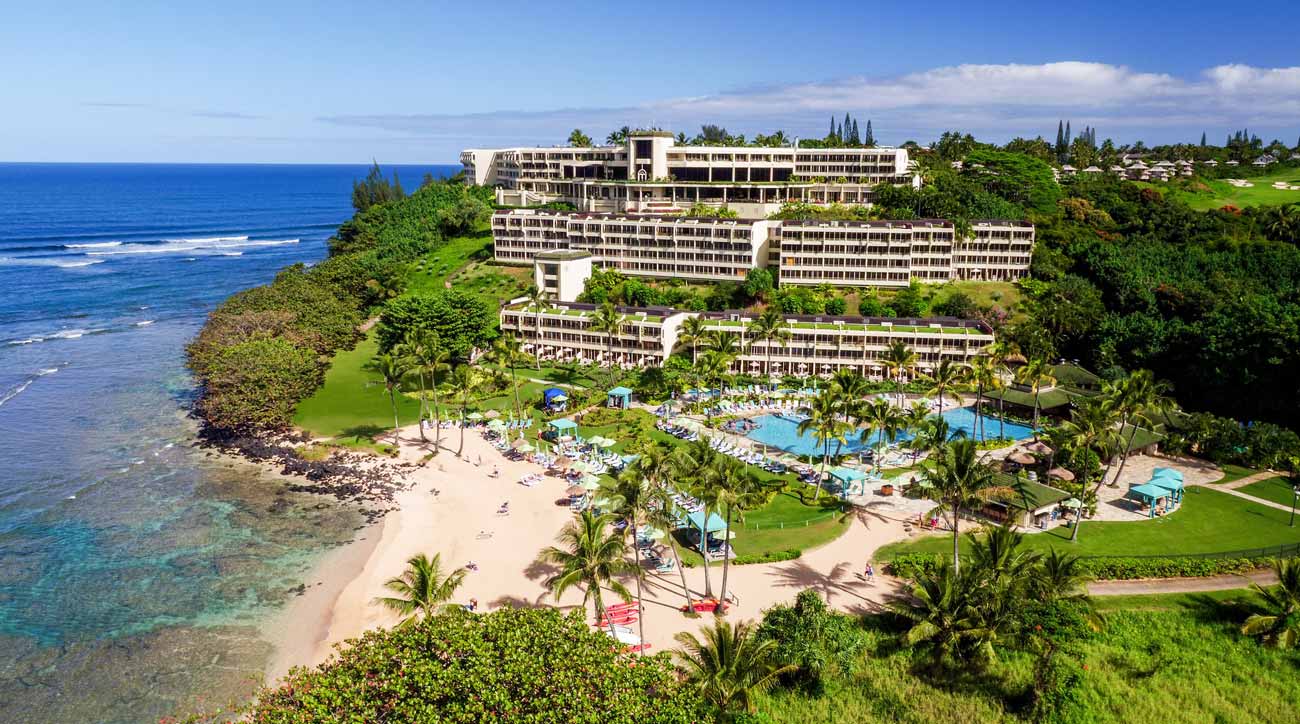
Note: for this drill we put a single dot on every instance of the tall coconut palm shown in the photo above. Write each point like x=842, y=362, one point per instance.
x=729, y=666
x=1059, y=576
x=769, y=328
x=929, y=435
x=414, y=348
x=850, y=390
x=590, y=555
x=463, y=383
x=695, y=464
x=1000, y=353
x=692, y=333
x=738, y=490
x=537, y=301
x=960, y=480
x=900, y=361
x=1279, y=625
x=1092, y=426
x=1036, y=374
x=392, y=369
x=824, y=423
x=881, y=417
x=722, y=343
x=712, y=368
x=944, y=378
x=422, y=589
x=609, y=322
x=629, y=495
x=986, y=374
x=657, y=465
x=1139, y=398
x=507, y=352
x=941, y=614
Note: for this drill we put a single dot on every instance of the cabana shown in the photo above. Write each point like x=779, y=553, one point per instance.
x=1173, y=485
x=554, y=398
x=849, y=478
x=714, y=524
x=563, y=427
x=1149, y=493
x=619, y=397
x=1167, y=473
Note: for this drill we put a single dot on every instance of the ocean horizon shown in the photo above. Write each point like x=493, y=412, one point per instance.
x=135, y=568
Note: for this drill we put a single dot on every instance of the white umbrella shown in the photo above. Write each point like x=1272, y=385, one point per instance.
x=606, y=442
x=1072, y=503
x=652, y=533
x=525, y=448
x=474, y=416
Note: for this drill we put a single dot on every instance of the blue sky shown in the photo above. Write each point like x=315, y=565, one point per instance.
x=414, y=82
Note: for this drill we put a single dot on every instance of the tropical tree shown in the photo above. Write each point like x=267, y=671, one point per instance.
x=1091, y=431
x=941, y=615
x=1000, y=353
x=769, y=328
x=417, y=347
x=930, y=434
x=1138, y=399
x=1279, y=625
x=591, y=556
x=738, y=490
x=880, y=416
x=722, y=343
x=537, y=301
x=578, y=139
x=824, y=423
x=712, y=368
x=609, y=322
x=463, y=382
x=695, y=465
x=960, y=480
x=1036, y=374
x=692, y=332
x=422, y=589
x=1059, y=577
x=729, y=666
x=986, y=374
x=850, y=390
x=392, y=369
x=657, y=465
x=900, y=361
x=944, y=378
x=507, y=352
x=629, y=495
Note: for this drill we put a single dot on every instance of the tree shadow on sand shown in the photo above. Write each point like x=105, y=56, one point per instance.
x=540, y=570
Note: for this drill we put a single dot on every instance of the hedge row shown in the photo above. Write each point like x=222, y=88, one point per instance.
x=909, y=565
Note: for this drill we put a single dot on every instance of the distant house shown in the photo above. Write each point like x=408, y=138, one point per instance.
x=1233, y=163
x=1264, y=160
x=1068, y=170
x=1210, y=162
x=1092, y=169
x=1117, y=169
x=1295, y=157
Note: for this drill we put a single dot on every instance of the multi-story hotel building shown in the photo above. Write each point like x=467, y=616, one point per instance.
x=650, y=173
x=818, y=344
x=807, y=252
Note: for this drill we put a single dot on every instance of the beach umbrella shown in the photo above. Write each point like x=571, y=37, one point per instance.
x=563, y=462
x=574, y=491
x=606, y=442
x=652, y=533
x=1023, y=458
x=1061, y=474
x=1038, y=448
x=580, y=465
x=1072, y=503
x=518, y=444
x=526, y=448
x=496, y=424
x=474, y=416
x=590, y=482
x=492, y=414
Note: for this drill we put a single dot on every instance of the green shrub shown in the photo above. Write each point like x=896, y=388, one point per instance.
x=908, y=565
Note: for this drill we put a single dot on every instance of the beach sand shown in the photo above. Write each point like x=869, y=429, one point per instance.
x=461, y=523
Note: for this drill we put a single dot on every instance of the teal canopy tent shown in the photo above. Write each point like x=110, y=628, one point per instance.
x=1150, y=494
x=620, y=397
x=849, y=478
x=1167, y=473
x=564, y=426
x=1172, y=485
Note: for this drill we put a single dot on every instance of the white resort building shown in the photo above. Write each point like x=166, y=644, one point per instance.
x=565, y=331
x=651, y=174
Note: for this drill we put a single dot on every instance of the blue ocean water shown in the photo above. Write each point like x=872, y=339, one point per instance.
x=782, y=432
x=135, y=568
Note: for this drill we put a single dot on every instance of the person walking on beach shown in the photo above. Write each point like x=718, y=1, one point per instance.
x=871, y=573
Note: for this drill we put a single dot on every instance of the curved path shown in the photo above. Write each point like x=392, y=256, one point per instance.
x=1182, y=585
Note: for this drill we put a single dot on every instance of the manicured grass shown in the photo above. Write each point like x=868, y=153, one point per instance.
x=1191, y=602
x=1234, y=472
x=1185, y=663
x=352, y=403
x=1208, y=522
x=465, y=262
x=1206, y=194
x=1277, y=490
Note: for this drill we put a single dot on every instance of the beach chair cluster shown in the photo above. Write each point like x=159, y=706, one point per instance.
x=745, y=455
x=677, y=431
x=531, y=480
x=761, y=405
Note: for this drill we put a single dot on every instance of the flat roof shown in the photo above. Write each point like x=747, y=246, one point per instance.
x=561, y=255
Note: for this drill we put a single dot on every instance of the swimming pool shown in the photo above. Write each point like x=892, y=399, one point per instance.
x=781, y=431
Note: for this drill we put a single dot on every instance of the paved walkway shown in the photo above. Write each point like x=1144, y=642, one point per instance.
x=1182, y=585
x=1243, y=482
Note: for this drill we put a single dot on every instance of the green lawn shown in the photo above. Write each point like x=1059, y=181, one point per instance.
x=1277, y=490
x=1188, y=602
x=1208, y=522
x=465, y=262
x=787, y=523
x=1234, y=472
x=1206, y=194
x=352, y=403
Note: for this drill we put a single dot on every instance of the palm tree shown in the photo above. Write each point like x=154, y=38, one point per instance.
x=712, y=368
x=591, y=557
x=999, y=354
x=507, y=351
x=880, y=416
x=998, y=555
x=824, y=422
x=415, y=348
x=609, y=322
x=738, y=490
x=422, y=589
x=433, y=359
x=931, y=434
x=1279, y=626
x=1037, y=374
x=1059, y=577
x=944, y=378
x=729, y=666
x=629, y=497
x=770, y=327
x=692, y=333
x=900, y=360
x=986, y=373
x=393, y=369
x=537, y=300
x=695, y=464
x=656, y=465
x=1139, y=398
x=940, y=613
x=722, y=343
x=961, y=480
x=1092, y=427
x=851, y=390
x=463, y=383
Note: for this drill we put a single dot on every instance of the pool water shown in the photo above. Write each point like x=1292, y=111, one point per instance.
x=781, y=431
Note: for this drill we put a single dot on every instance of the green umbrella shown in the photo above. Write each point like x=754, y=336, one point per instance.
x=525, y=448
x=652, y=533
x=581, y=466
x=496, y=424
x=1072, y=503
x=606, y=442
x=474, y=416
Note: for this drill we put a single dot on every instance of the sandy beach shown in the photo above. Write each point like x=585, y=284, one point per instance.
x=452, y=509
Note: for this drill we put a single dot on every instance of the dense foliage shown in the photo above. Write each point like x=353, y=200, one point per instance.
x=909, y=565
x=511, y=665
x=461, y=321
x=311, y=313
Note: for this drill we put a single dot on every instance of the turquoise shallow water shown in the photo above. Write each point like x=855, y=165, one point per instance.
x=781, y=431
x=134, y=568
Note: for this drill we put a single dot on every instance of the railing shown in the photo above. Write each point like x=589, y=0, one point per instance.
x=1286, y=550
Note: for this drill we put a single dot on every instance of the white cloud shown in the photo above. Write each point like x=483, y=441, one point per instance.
x=995, y=101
